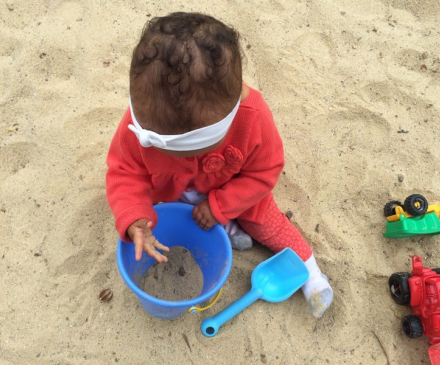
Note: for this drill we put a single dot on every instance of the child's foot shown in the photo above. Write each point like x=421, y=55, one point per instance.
x=317, y=290
x=318, y=294
x=241, y=241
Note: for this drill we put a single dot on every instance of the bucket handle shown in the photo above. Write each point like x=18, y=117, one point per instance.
x=198, y=309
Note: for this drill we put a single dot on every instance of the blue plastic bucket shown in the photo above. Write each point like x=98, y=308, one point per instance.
x=211, y=251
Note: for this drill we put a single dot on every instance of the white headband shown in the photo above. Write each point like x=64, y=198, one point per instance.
x=192, y=140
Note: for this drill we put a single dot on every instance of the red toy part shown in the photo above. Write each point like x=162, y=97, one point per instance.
x=421, y=290
x=424, y=288
x=434, y=354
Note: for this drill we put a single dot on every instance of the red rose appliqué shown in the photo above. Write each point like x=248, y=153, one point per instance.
x=233, y=157
x=213, y=162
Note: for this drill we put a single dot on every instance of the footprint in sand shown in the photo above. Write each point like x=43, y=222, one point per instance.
x=95, y=126
x=423, y=10
x=352, y=123
x=91, y=236
x=10, y=49
x=425, y=63
x=15, y=157
x=316, y=48
x=296, y=196
x=91, y=133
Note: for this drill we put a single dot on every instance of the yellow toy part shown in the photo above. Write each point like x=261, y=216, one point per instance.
x=433, y=208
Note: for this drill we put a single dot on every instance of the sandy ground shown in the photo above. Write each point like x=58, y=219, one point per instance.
x=179, y=279
x=354, y=88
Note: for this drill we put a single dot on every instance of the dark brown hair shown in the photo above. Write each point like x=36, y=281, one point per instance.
x=185, y=73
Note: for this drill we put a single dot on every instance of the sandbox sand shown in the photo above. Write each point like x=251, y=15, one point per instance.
x=354, y=87
x=178, y=279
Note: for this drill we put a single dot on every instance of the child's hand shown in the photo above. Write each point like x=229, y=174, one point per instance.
x=143, y=239
x=202, y=215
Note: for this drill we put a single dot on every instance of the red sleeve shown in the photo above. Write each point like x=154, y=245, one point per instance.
x=128, y=181
x=259, y=173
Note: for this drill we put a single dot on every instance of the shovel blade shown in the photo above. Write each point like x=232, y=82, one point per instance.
x=280, y=277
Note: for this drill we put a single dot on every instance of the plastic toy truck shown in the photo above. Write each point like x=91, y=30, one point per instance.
x=413, y=217
x=420, y=290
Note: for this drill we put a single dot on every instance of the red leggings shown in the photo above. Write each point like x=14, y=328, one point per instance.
x=272, y=229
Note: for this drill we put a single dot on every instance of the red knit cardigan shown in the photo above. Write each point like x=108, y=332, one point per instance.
x=235, y=176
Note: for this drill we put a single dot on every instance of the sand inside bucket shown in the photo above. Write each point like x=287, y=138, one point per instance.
x=178, y=279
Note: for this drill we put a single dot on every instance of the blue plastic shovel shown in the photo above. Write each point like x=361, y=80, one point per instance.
x=273, y=280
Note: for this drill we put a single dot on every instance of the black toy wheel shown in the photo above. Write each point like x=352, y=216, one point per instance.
x=390, y=208
x=399, y=288
x=412, y=326
x=416, y=204
x=437, y=270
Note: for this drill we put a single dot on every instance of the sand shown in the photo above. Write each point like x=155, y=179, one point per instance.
x=354, y=88
x=179, y=279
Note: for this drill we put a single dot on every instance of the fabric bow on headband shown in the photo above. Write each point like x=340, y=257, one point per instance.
x=147, y=138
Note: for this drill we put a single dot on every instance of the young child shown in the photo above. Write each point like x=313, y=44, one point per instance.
x=194, y=132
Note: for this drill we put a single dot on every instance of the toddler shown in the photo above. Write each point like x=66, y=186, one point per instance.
x=195, y=133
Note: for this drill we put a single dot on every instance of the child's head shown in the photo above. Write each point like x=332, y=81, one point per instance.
x=185, y=73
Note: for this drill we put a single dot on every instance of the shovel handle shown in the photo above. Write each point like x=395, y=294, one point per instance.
x=211, y=325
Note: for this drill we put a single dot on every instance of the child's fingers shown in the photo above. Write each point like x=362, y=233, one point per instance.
x=151, y=251
x=138, y=240
x=160, y=246
x=206, y=223
x=203, y=217
x=201, y=220
x=151, y=243
x=197, y=217
x=202, y=223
